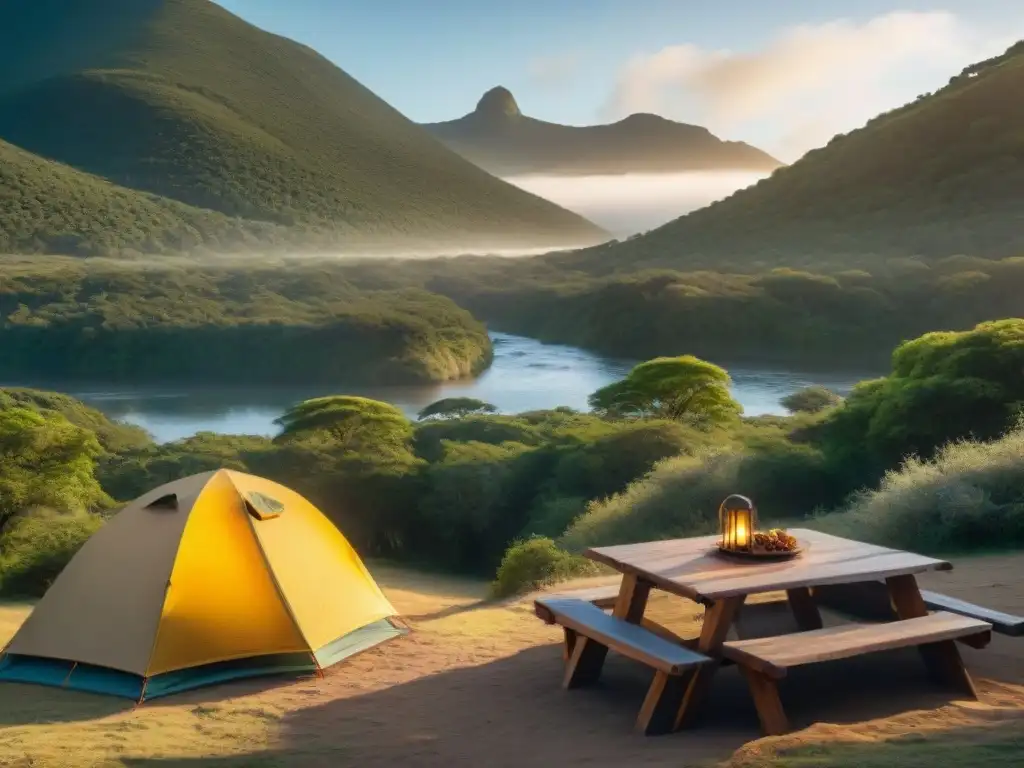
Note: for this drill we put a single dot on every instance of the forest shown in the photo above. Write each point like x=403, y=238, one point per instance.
x=516, y=496
x=64, y=319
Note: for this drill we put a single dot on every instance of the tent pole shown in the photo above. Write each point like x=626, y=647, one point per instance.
x=74, y=666
x=319, y=669
x=142, y=693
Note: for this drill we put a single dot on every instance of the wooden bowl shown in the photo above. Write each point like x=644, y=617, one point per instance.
x=759, y=554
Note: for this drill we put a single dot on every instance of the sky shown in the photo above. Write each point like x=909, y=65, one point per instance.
x=785, y=75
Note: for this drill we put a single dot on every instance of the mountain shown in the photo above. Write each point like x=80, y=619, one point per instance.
x=190, y=105
x=501, y=139
x=939, y=177
x=49, y=207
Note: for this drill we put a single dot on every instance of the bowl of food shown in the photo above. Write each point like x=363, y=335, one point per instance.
x=773, y=544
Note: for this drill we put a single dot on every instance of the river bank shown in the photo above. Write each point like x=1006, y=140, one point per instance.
x=525, y=375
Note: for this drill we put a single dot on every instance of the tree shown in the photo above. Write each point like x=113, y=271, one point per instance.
x=943, y=387
x=352, y=424
x=678, y=388
x=46, y=461
x=455, y=408
x=813, y=399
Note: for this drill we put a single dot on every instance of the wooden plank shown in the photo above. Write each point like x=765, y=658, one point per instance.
x=804, y=609
x=772, y=656
x=658, y=713
x=942, y=658
x=603, y=596
x=765, y=693
x=718, y=621
x=585, y=662
x=1002, y=623
x=636, y=642
x=693, y=568
x=631, y=601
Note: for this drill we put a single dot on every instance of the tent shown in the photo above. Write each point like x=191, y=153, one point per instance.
x=212, y=577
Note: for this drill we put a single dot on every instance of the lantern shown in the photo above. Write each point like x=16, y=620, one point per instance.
x=737, y=518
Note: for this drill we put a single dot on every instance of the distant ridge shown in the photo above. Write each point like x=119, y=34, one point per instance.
x=941, y=176
x=499, y=138
x=180, y=106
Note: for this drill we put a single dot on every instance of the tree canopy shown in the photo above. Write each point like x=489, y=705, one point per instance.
x=943, y=387
x=350, y=423
x=46, y=461
x=811, y=399
x=678, y=388
x=455, y=408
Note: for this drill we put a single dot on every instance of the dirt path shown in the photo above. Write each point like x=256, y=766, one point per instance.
x=477, y=685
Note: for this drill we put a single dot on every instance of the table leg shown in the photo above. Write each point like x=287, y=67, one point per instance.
x=942, y=659
x=804, y=608
x=632, y=600
x=718, y=619
x=586, y=656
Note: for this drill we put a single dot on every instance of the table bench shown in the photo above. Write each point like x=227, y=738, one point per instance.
x=604, y=597
x=590, y=633
x=765, y=661
x=870, y=601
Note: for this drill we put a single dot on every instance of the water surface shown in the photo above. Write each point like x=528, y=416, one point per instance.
x=526, y=375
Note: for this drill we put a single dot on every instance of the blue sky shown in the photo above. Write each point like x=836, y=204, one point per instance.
x=785, y=74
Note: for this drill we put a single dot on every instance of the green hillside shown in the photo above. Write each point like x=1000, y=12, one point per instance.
x=181, y=99
x=49, y=207
x=498, y=137
x=939, y=177
x=115, y=321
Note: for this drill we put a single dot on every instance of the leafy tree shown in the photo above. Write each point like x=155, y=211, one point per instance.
x=678, y=388
x=943, y=387
x=811, y=399
x=350, y=423
x=46, y=461
x=455, y=408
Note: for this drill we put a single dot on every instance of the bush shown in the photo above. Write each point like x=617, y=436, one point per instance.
x=35, y=548
x=971, y=495
x=680, y=498
x=811, y=400
x=536, y=563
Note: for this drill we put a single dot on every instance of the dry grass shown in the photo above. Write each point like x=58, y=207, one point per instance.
x=476, y=684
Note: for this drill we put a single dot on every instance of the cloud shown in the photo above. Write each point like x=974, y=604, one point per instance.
x=554, y=70
x=807, y=84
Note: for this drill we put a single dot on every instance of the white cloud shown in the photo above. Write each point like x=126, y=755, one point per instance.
x=557, y=69
x=807, y=84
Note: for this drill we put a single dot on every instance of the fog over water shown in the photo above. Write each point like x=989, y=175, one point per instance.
x=631, y=203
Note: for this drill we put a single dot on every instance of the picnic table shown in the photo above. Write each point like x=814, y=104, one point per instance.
x=693, y=569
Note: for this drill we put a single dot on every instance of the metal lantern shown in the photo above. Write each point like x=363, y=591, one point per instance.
x=737, y=518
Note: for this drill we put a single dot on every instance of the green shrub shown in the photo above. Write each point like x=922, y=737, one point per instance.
x=971, y=495
x=552, y=516
x=536, y=563
x=681, y=496
x=35, y=547
x=811, y=400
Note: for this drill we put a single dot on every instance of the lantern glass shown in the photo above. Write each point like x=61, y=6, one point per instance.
x=738, y=519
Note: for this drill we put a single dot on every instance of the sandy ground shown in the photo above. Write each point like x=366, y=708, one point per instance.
x=477, y=684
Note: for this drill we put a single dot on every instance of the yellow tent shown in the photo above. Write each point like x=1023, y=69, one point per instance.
x=211, y=577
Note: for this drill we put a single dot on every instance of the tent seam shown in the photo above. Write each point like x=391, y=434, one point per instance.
x=167, y=586
x=270, y=568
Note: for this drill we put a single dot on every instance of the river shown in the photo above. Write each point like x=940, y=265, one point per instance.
x=526, y=375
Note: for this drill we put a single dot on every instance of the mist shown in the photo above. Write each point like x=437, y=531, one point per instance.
x=631, y=203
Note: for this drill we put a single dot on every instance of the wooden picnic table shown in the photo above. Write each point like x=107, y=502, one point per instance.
x=692, y=568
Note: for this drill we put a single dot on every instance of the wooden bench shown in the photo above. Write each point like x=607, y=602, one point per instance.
x=871, y=601
x=765, y=661
x=604, y=597
x=1002, y=623
x=590, y=633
